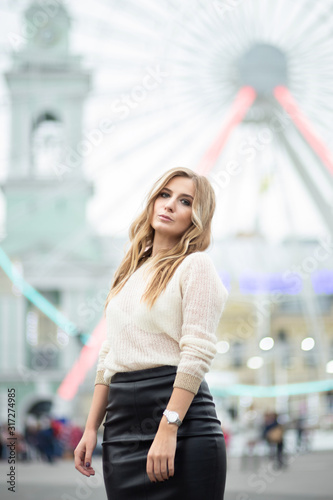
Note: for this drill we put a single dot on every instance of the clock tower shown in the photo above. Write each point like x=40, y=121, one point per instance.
x=47, y=235
x=45, y=190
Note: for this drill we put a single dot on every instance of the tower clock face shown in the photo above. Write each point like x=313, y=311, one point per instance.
x=48, y=36
x=46, y=30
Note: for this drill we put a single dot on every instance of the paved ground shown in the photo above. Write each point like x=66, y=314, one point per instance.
x=308, y=476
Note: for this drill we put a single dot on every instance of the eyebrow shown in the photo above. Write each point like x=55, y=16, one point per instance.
x=182, y=194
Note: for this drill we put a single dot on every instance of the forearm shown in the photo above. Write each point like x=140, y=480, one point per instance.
x=98, y=407
x=180, y=402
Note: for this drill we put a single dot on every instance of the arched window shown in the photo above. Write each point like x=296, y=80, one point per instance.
x=47, y=145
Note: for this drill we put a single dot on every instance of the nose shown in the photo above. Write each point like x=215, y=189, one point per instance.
x=169, y=203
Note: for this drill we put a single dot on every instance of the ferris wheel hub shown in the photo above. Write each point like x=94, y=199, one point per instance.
x=263, y=67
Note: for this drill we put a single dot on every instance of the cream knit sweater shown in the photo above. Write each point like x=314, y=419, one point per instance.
x=179, y=330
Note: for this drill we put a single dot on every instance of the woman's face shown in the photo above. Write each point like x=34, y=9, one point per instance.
x=174, y=201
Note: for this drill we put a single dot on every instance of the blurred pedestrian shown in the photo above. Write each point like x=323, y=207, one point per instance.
x=45, y=439
x=273, y=433
x=31, y=439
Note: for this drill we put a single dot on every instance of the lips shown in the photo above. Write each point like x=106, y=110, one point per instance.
x=165, y=217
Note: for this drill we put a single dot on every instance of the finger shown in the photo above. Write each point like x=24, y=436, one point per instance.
x=88, y=459
x=79, y=457
x=171, y=466
x=164, y=469
x=157, y=470
x=89, y=469
x=87, y=464
x=86, y=472
x=80, y=461
x=150, y=469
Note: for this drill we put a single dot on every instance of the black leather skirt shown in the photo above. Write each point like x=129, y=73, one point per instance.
x=136, y=402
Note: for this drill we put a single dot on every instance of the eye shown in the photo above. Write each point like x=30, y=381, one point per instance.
x=187, y=203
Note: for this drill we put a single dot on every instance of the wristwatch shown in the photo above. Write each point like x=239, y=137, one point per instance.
x=172, y=417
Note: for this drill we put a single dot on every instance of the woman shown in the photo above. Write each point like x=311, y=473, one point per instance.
x=162, y=312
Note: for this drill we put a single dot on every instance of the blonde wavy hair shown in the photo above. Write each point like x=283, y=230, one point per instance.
x=196, y=238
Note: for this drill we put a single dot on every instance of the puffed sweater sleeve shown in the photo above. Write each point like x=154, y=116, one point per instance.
x=105, y=347
x=203, y=300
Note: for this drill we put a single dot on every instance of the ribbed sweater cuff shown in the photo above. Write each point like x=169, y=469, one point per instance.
x=100, y=378
x=187, y=381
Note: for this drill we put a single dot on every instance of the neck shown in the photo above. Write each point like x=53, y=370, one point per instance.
x=162, y=243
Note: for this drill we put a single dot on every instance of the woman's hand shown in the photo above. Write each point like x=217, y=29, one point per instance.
x=161, y=454
x=83, y=453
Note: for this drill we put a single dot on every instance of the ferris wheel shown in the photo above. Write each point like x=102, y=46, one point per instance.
x=238, y=91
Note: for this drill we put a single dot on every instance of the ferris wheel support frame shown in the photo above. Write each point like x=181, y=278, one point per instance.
x=287, y=101
x=239, y=108
x=312, y=188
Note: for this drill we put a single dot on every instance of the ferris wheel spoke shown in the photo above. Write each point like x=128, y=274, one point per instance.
x=296, y=38
x=209, y=16
x=293, y=23
x=308, y=47
x=152, y=138
x=241, y=104
x=183, y=102
x=117, y=32
x=198, y=31
x=245, y=12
